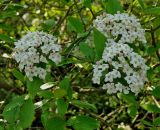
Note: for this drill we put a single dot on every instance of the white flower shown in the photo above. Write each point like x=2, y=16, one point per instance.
x=33, y=49
x=122, y=26
x=43, y=59
x=124, y=64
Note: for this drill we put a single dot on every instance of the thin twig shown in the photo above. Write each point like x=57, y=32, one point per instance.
x=61, y=20
x=156, y=102
x=94, y=17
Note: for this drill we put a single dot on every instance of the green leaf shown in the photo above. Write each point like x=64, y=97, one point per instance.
x=156, y=92
x=46, y=94
x=13, y=127
x=34, y=86
x=1, y=127
x=44, y=117
x=76, y=24
x=8, y=14
x=145, y=122
x=6, y=38
x=26, y=114
x=87, y=3
x=128, y=98
x=83, y=123
x=11, y=115
x=141, y=2
x=48, y=24
x=62, y=107
x=84, y=104
x=132, y=110
x=59, y=93
x=99, y=41
x=65, y=84
x=17, y=101
x=151, y=50
x=156, y=121
x=47, y=85
x=55, y=123
x=18, y=74
x=6, y=27
x=151, y=108
x=153, y=11
x=87, y=51
x=113, y=6
x=11, y=110
x=150, y=73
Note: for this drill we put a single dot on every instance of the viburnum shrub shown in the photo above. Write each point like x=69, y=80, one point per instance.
x=123, y=69
x=34, y=49
x=81, y=65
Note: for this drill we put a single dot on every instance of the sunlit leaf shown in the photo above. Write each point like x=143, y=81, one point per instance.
x=47, y=85
x=151, y=108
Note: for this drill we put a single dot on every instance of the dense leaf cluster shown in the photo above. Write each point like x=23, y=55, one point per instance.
x=66, y=99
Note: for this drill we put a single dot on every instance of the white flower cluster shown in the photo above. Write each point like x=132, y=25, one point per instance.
x=123, y=27
x=35, y=49
x=121, y=69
